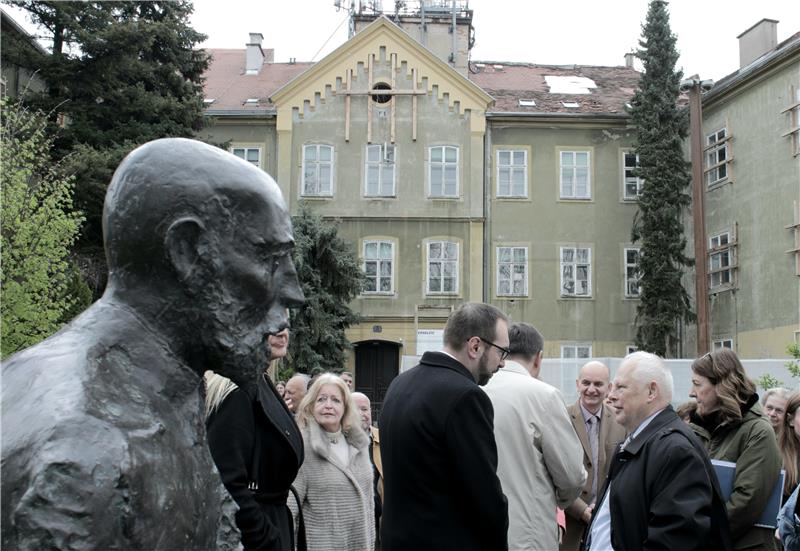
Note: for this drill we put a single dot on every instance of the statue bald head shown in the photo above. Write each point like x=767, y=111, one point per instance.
x=205, y=237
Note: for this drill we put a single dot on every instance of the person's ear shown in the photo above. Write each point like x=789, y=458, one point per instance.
x=473, y=344
x=182, y=245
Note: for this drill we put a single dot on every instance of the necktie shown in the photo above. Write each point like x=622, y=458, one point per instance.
x=594, y=430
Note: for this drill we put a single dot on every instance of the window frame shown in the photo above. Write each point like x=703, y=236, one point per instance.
x=716, y=250
x=513, y=168
x=381, y=165
x=379, y=261
x=246, y=149
x=717, y=145
x=304, y=192
x=639, y=182
x=575, y=264
x=444, y=165
x=561, y=167
x=456, y=270
x=625, y=267
x=719, y=344
x=512, y=264
x=575, y=346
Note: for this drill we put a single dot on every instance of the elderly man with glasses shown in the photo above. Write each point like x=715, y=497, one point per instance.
x=437, y=442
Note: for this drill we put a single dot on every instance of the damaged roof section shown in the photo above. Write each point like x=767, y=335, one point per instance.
x=555, y=88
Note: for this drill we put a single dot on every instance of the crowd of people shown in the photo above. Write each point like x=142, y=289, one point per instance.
x=472, y=456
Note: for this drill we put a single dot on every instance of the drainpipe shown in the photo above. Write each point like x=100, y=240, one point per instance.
x=487, y=211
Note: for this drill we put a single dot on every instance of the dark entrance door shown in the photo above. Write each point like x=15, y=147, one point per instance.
x=377, y=363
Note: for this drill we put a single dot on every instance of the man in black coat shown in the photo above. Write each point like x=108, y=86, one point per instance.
x=438, y=447
x=661, y=492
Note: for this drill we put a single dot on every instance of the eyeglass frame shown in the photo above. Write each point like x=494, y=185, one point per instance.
x=504, y=352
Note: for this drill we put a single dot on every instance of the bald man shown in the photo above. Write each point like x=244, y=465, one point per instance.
x=589, y=414
x=365, y=413
x=295, y=391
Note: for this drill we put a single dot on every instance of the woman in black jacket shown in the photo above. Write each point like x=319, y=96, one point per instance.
x=258, y=450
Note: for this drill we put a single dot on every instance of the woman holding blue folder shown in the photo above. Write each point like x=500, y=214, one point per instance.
x=730, y=422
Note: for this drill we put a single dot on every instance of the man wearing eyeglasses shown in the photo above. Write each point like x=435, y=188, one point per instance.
x=439, y=454
x=540, y=460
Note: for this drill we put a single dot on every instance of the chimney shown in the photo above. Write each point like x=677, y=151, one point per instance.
x=255, y=55
x=757, y=40
x=629, y=60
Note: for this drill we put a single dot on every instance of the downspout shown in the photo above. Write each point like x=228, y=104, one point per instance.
x=487, y=211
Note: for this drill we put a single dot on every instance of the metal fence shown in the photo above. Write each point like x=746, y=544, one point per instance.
x=562, y=373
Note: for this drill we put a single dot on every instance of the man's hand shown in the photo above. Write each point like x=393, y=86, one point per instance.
x=586, y=516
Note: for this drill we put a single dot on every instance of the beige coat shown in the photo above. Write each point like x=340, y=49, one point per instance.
x=337, y=499
x=539, y=456
x=611, y=434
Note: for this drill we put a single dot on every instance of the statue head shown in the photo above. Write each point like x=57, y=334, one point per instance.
x=199, y=243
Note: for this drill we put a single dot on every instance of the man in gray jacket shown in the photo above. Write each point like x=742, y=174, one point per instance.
x=540, y=460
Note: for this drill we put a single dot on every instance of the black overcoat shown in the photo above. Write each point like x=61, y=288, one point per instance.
x=441, y=489
x=258, y=450
x=664, y=493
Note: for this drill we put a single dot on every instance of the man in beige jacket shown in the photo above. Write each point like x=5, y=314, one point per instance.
x=539, y=455
x=589, y=414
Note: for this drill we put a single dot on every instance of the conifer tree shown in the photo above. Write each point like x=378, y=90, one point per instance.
x=661, y=129
x=331, y=277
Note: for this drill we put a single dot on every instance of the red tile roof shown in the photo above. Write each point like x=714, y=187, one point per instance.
x=506, y=82
x=229, y=86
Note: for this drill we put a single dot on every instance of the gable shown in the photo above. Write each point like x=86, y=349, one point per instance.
x=380, y=42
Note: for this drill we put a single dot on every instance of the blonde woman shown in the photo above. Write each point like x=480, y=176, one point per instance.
x=335, y=483
x=258, y=450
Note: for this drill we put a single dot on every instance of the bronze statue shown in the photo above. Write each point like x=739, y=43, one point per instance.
x=103, y=443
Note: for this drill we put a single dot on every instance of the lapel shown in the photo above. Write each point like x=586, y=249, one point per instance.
x=580, y=430
x=605, y=428
x=280, y=416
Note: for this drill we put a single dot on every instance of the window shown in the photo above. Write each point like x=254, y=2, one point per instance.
x=378, y=267
x=249, y=154
x=631, y=184
x=379, y=170
x=723, y=343
x=575, y=180
x=717, y=157
x=632, y=274
x=576, y=272
x=443, y=171
x=512, y=173
x=572, y=351
x=630, y=349
x=442, y=267
x=317, y=170
x=720, y=260
x=512, y=271
x=794, y=119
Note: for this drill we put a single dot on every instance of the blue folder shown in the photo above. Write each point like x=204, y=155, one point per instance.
x=726, y=472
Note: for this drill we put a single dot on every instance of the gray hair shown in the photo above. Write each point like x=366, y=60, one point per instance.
x=649, y=367
x=783, y=393
x=524, y=340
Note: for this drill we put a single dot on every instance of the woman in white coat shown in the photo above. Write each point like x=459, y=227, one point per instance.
x=335, y=482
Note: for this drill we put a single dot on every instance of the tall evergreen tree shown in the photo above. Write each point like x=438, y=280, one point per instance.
x=331, y=277
x=118, y=74
x=661, y=129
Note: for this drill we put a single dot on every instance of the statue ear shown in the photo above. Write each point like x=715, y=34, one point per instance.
x=182, y=245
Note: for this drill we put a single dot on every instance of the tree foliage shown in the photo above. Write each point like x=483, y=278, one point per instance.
x=661, y=129
x=119, y=74
x=40, y=290
x=331, y=277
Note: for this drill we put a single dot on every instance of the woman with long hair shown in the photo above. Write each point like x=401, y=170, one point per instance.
x=789, y=444
x=730, y=422
x=258, y=450
x=788, y=523
x=335, y=485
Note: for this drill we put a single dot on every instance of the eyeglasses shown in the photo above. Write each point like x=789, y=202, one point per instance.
x=504, y=352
